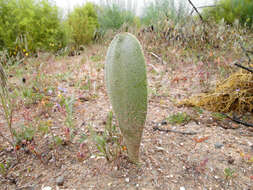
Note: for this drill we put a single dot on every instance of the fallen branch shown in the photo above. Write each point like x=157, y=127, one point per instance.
x=246, y=52
x=200, y=16
x=201, y=7
x=238, y=121
x=173, y=131
x=243, y=67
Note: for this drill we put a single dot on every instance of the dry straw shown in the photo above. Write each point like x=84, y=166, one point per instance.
x=233, y=94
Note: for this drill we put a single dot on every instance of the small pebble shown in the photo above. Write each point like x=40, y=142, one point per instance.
x=127, y=179
x=46, y=188
x=182, y=188
x=218, y=145
x=60, y=180
x=230, y=160
x=164, y=122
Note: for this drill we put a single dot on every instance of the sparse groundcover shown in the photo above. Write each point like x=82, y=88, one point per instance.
x=65, y=135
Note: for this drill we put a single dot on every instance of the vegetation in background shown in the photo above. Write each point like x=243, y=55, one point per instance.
x=112, y=17
x=232, y=10
x=29, y=25
x=161, y=10
x=82, y=23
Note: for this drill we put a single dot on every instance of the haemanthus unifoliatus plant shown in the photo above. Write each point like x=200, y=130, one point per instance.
x=126, y=82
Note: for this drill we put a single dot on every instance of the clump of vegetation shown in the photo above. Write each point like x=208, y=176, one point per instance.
x=164, y=10
x=109, y=143
x=232, y=94
x=113, y=17
x=7, y=107
x=27, y=26
x=232, y=10
x=82, y=23
x=179, y=118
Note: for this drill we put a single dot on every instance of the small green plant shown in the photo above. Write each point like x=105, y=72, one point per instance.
x=31, y=96
x=25, y=134
x=198, y=109
x=109, y=142
x=82, y=23
x=179, y=118
x=218, y=116
x=68, y=103
x=4, y=168
x=229, y=173
x=7, y=106
x=96, y=58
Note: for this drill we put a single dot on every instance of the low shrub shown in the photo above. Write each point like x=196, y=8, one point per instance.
x=112, y=17
x=161, y=10
x=29, y=25
x=232, y=10
x=82, y=23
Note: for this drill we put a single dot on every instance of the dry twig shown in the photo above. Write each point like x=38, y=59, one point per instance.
x=173, y=131
x=246, y=68
x=159, y=58
x=238, y=121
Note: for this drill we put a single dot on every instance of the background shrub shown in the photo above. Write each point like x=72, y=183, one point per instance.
x=30, y=25
x=113, y=17
x=231, y=10
x=161, y=10
x=82, y=23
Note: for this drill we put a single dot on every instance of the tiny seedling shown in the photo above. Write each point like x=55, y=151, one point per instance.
x=198, y=110
x=229, y=173
x=179, y=118
x=96, y=58
x=4, y=168
x=218, y=116
x=25, y=134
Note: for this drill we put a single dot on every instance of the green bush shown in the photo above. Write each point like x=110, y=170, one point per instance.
x=161, y=10
x=113, y=17
x=30, y=25
x=82, y=23
x=231, y=10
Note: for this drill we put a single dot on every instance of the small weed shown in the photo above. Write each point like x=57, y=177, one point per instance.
x=86, y=83
x=96, y=58
x=4, y=168
x=26, y=134
x=218, y=116
x=109, y=142
x=68, y=104
x=229, y=173
x=7, y=104
x=58, y=140
x=198, y=109
x=179, y=118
